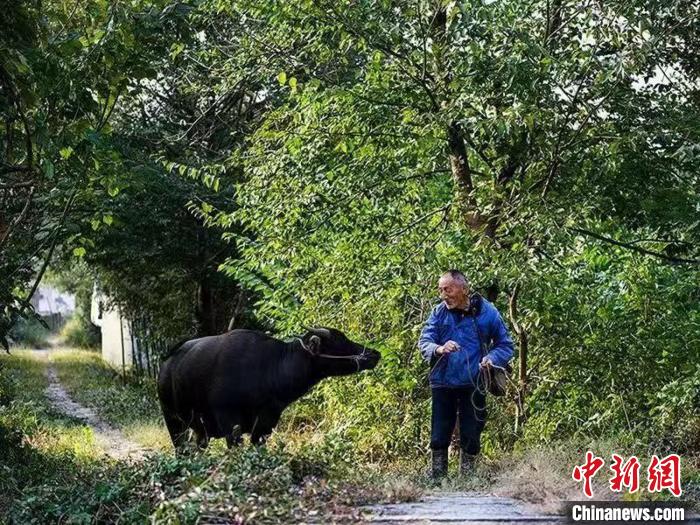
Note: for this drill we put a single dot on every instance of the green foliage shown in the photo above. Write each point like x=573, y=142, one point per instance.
x=331, y=130
x=30, y=332
x=54, y=471
x=62, y=72
x=76, y=278
x=600, y=382
x=353, y=201
x=332, y=160
x=77, y=333
x=146, y=240
x=88, y=93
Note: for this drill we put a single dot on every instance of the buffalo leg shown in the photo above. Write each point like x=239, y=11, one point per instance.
x=200, y=432
x=258, y=437
x=177, y=429
x=228, y=427
x=263, y=425
x=234, y=438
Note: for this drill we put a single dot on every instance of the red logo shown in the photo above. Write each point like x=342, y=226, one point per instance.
x=586, y=472
x=665, y=474
x=625, y=474
x=662, y=473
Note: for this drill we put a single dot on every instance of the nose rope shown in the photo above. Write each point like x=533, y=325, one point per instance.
x=477, y=389
x=356, y=357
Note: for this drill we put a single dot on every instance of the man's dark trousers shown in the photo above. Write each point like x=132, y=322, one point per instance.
x=470, y=404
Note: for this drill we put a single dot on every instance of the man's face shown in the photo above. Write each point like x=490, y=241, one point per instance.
x=452, y=292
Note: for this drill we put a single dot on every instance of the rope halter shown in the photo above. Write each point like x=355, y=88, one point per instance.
x=356, y=357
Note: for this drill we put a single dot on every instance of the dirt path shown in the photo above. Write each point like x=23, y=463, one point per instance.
x=110, y=440
x=458, y=507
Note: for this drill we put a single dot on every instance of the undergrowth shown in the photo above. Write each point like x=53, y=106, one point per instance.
x=53, y=470
x=129, y=403
x=79, y=332
x=30, y=333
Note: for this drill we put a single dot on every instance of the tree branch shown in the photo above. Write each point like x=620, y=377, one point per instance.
x=419, y=220
x=14, y=185
x=17, y=219
x=52, y=248
x=630, y=246
x=15, y=169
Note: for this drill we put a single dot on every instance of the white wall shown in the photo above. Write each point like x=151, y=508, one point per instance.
x=115, y=331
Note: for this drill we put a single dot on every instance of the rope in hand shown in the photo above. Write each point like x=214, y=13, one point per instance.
x=482, y=380
x=483, y=391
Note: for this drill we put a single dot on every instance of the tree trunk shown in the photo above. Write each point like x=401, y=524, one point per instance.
x=466, y=206
x=205, y=309
x=492, y=292
x=505, y=176
x=521, y=414
x=238, y=308
x=461, y=174
x=554, y=21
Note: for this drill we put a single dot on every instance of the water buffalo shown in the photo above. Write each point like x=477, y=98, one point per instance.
x=240, y=382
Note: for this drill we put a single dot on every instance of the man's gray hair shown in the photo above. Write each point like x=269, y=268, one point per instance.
x=458, y=277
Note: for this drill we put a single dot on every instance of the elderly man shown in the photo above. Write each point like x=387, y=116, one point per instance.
x=464, y=333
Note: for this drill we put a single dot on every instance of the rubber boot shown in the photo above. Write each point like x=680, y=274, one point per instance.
x=439, y=464
x=466, y=463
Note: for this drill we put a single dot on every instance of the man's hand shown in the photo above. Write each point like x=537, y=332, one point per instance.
x=486, y=362
x=447, y=348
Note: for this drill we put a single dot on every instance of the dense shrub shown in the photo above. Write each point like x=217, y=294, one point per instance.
x=80, y=333
x=30, y=332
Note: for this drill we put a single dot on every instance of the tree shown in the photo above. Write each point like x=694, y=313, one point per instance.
x=63, y=68
x=497, y=137
x=149, y=238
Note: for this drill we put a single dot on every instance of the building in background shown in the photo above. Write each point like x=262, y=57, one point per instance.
x=118, y=345
x=53, y=306
x=126, y=343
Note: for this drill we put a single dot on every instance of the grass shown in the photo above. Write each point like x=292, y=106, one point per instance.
x=130, y=405
x=57, y=473
x=22, y=372
x=541, y=475
x=52, y=467
x=53, y=470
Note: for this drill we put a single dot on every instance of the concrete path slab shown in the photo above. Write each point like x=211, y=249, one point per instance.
x=458, y=507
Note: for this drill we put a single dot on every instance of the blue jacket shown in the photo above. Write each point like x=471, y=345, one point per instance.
x=461, y=368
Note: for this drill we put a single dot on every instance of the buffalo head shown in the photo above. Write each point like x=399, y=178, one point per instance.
x=336, y=355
